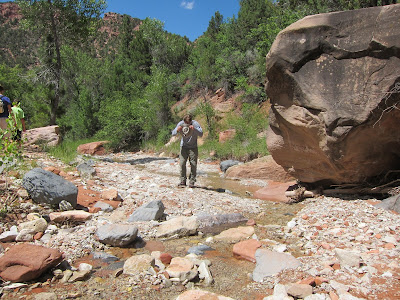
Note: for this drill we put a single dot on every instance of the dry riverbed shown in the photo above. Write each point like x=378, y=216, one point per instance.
x=311, y=231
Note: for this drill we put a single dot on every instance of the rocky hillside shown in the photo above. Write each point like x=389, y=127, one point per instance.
x=19, y=46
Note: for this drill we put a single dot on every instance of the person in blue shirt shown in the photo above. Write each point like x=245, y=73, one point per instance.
x=6, y=103
x=190, y=130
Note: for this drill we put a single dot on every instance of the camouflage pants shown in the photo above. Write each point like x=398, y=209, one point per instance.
x=191, y=154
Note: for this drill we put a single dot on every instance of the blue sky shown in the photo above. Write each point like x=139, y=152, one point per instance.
x=188, y=18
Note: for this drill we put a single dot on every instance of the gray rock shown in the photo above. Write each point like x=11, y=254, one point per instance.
x=205, y=274
x=348, y=258
x=199, y=250
x=391, y=203
x=269, y=263
x=279, y=293
x=46, y=296
x=153, y=210
x=34, y=226
x=119, y=235
x=9, y=236
x=47, y=187
x=24, y=235
x=218, y=223
x=86, y=169
x=105, y=257
x=104, y=206
x=226, y=164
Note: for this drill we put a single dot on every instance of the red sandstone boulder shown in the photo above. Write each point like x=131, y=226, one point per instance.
x=24, y=262
x=333, y=81
x=261, y=168
x=226, y=135
x=95, y=148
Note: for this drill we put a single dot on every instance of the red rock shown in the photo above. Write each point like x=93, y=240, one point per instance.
x=71, y=215
x=165, y=258
x=95, y=148
x=309, y=281
x=226, y=135
x=320, y=280
x=38, y=236
x=53, y=170
x=24, y=262
x=326, y=246
x=247, y=249
x=304, y=217
x=389, y=246
x=378, y=236
x=374, y=251
x=154, y=246
x=336, y=266
x=275, y=191
x=94, y=210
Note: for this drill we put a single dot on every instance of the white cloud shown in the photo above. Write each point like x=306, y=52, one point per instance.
x=187, y=4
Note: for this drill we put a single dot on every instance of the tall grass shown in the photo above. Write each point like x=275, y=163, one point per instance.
x=66, y=151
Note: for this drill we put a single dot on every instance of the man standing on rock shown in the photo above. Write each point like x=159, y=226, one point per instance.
x=190, y=130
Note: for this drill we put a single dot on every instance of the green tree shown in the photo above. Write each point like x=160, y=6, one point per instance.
x=59, y=22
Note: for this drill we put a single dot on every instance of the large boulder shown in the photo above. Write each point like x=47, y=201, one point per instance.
x=24, y=262
x=333, y=81
x=94, y=148
x=49, y=136
x=46, y=187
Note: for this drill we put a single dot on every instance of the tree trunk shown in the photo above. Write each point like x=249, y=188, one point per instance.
x=57, y=70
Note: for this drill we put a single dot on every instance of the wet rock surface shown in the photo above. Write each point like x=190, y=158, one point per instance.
x=338, y=249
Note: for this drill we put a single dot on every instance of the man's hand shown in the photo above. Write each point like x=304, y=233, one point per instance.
x=179, y=129
x=191, y=127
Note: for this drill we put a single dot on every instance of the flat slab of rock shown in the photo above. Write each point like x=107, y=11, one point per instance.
x=119, y=235
x=178, y=266
x=269, y=263
x=246, y=249
x=46, y=187
x=137, y=264
x=234, y=235
x=275, y=191
x=218, y=223
x=70, y=215
x=180, y=226
x=24, y=262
